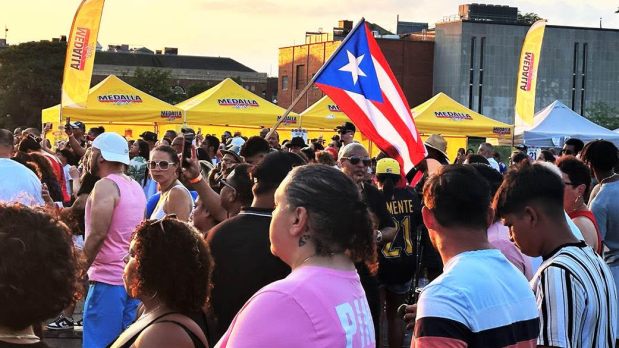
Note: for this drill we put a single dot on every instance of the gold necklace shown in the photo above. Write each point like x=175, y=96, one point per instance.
x=306, y=259
x=607, y=179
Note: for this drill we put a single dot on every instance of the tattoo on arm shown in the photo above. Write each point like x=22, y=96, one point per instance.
x=303, y=240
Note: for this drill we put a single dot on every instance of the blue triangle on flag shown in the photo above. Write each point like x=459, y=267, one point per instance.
x=352, y=68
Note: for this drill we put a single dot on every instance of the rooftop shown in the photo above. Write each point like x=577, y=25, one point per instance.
x=169, y=61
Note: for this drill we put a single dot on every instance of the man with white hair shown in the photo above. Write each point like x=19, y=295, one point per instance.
x=355, y=162
x=487, y=150
x=114, y=209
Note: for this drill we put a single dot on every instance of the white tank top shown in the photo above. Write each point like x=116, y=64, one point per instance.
x=159, y=211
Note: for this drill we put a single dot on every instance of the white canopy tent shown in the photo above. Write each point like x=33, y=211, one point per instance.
x=557, y=123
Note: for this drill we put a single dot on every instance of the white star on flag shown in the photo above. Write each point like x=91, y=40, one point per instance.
x=353, y=66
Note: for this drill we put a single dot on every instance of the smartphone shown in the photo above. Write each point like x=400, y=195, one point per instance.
x=67, y=125
x=186, y=154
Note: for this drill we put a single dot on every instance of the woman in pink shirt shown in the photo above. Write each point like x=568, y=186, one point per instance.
x=320, y=227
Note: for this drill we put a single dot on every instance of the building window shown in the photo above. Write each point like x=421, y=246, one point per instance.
x=284, y=83
x=301, y=77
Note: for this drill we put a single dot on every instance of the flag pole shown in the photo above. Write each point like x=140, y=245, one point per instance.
x=311, y=82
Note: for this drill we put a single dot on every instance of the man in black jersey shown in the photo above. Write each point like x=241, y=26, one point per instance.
x=397, y=259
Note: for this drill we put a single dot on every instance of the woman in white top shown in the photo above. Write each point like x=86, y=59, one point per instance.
x=164, y=166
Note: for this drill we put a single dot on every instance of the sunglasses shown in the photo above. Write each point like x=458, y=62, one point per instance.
x=163, y=165
x=567, y=152
x=159, y=222
x=354, y=160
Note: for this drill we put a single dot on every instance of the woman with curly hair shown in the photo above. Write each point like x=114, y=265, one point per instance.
x=320, y=228
x=37, y=272
x=168, y=268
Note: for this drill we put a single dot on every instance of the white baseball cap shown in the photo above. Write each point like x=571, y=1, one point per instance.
x=113, y=147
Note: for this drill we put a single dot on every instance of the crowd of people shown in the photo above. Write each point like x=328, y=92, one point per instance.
x=193, y=240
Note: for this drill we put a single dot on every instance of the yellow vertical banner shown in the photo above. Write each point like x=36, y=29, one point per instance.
x=81, y=49
x=527, y=74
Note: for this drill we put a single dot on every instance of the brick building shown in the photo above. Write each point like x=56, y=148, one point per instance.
x=411, y=58
x=184, y=70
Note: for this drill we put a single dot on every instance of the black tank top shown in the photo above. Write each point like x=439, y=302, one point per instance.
x=194, y=338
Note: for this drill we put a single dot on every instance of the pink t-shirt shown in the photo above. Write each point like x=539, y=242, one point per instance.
x=108, y=265
x=312, y=307
x=498, y=236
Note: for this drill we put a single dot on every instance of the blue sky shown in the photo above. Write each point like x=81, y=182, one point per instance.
x=251, y=31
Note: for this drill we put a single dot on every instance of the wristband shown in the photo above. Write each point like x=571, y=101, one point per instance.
x=196, y=180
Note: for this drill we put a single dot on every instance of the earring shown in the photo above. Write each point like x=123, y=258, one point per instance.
x=576, y=203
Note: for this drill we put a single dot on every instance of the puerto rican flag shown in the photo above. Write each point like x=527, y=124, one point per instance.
x=359, y=80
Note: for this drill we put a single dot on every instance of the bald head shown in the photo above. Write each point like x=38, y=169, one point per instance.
x=352, y=148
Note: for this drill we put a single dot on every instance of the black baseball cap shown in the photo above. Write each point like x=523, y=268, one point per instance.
x=521, y=147
x=149, y=136
x=78, y=124
x=296, y=142
x=345, y=127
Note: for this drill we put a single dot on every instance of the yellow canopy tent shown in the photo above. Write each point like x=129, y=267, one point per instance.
x=119, y=107
x=230, y=107
x=445, y=116
x=323, y=114
x=228, y=104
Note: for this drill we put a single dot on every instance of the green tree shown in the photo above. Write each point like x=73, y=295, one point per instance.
x=237, y=79
x=30, y=80
x=197, y=88
x=155, y=82
x=528, y=18
x=603, y=114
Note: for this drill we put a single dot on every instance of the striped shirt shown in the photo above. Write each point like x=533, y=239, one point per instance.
x=576, y=297
x=480, y=300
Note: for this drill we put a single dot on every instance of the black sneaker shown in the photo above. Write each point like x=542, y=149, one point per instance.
x=61, y=323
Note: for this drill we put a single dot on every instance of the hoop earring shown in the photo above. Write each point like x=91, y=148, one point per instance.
x=575, y=204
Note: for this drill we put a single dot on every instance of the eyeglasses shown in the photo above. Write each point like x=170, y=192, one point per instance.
x=159, y=222
x=354, y=160
x=224, y=182
x=567, y=152
x=163, y=165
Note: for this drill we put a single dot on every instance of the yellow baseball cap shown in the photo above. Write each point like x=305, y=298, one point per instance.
x=388, y=166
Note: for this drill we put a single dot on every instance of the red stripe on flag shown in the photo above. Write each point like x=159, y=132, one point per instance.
x=357, y=115
x=380, y=58
x=387, y=109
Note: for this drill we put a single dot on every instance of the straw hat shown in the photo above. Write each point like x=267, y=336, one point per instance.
x=437, y=142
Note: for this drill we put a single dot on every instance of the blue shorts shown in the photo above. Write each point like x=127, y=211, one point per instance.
x=108, y=311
